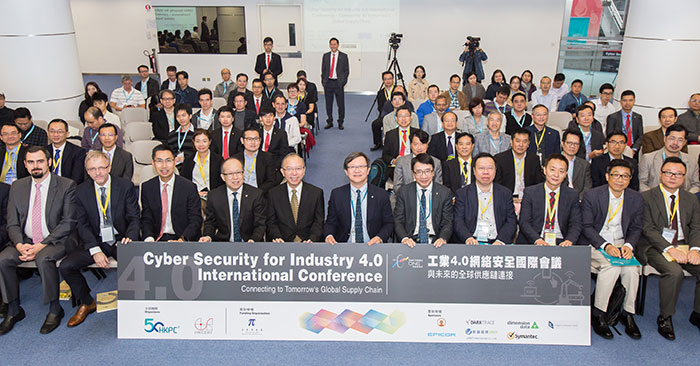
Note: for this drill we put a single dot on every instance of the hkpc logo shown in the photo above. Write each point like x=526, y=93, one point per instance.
x=159, y=327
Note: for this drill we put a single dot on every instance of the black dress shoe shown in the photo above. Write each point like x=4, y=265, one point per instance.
x=3, y=310
x=10, y=321
x=328, y=125
x=376, y=147
x=665, y=327
x=340, y=126
x=695, y=319
x=600, y=326
x=52, y=322
x=631, y=328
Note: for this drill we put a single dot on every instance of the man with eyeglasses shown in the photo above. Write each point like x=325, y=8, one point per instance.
x=654, y=140
x=612, y=225
x=68, y=159
x=604, y=105
x=670, y=239
x=458, y=172
x=225, y=87
x=93, y=121
x=691, y=118
x=403, y=171
x=12, y=153
x=616, y=143
x=107, y=214
x=163, y=119
x=544, y=140
x=235, y=211
x=121, y=161
x=650, y=164
x=358, y=212
x=295, y=209
x=423, y=213
x=170, y=204
x=578, y=175
x=259, y=167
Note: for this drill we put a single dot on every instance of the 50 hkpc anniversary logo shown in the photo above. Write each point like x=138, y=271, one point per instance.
x=153, y=326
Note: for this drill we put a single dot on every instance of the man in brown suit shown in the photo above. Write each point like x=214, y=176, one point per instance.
x=455, y=97
x=654, y=140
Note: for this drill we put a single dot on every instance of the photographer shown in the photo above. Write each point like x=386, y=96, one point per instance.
x=472, y=57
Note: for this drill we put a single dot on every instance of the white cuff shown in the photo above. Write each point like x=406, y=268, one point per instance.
x=697, y=249
x=149, y=239
x=628, y=245
x=95, y=250
x=667, y=248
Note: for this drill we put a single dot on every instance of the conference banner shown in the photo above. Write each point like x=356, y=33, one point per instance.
x=350, y=292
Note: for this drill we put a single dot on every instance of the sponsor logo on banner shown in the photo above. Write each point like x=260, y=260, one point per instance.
x=442, y=334
x=481, y=322
x=441, y=322
x=562, y=324
x=251, y=321
x=154, y=326
x=402, y=261
x=523, y=324
x=204, y=325
x=512, y=336
x=151, y=310
x=348, y=319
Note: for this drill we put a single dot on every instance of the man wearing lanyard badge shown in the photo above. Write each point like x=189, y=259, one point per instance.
x=226, y=86
x=180, y=140
x=12, y=154
x=68, y=159
x=171, y=82
x=126, y=96
x=518, y=118
x=31, y=134
x=93, y=121
x=515, y=168
x=458, y=173
x=205, y=118
x=573, y=99
x=593, y=143
x=675, y=139
x=455, y=97
x=612, y=224
x=383, y=96
x=579, y=172
x=544, y=141
x=147, y=86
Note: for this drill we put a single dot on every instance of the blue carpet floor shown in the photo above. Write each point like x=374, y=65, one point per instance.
x=95, y=342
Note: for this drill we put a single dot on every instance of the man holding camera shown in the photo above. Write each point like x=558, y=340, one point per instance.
x=471, y=57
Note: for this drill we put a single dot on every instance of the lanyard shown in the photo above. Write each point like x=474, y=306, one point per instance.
x=551, y=210
x=99, y=201
x=482, y=211
x=388, y=94
x=58, y=162
x=586, y=141
x=126, y=98
x=430, y=203
x=292, y=109
x=522, y=164
x=201, y=166
x=180, y=143
x=29, y=133
x=578, y=100
x=612, y=216
x=539, y=142
x=405, y=139
x=352, y=204
x=453, y=97
x=93, y=137
x=12, y=161
x=171, y=122
x=571, y=171
x=495, y=147
x=461, y=167
x=144, y=86
x=225, y=86
x=675, y=206
x=480, y=126
x=199, y=116
x=252, y=166
x=269, y=95
x=522, y=119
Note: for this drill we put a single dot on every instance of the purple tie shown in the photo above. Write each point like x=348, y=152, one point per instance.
x=37, y=236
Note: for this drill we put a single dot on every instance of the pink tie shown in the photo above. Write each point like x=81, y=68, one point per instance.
x=225, y=147
x=332, y=66
x=164, y=209
x=629, y=131
x=37, y=236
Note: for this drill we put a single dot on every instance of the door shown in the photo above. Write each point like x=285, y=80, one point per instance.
x=284, y=26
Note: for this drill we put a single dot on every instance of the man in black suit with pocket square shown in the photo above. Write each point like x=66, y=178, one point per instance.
x=335, y=69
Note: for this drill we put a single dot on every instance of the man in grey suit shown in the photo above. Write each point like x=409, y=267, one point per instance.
x=432, y=123
x=423, y=212
x=403, y=173
x=121, y=160
x=691, y=118
x=335, y=69
x=630, y=123
x=650, y=164
x=671, y=240
x=40, y=221
x=579, y=175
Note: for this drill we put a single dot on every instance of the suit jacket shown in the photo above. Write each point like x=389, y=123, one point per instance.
x=594, y=208
x=249, y=120
x=581, y=177
x=198, y=124
x=467, y=212
x=597, y=142
x=691, y=123
x=152, y=87
x=4, y=195
x=654, y=140
x=596, y=126
x=251, y=217
x=599, y=166
x=403, y=174
x=279, y=144
x=382, y=98
x=165, y=84
x=59, y=212
x=505, y=170
x=392, y=144
x=266, y=172
x=512, y=125
x=461, y=99
x=342, y=68
x=72, y=164
x=215, y=161
x=234, y=141
x=122, y=164
x=275, y=64
x=452, y=175
x=21, y=152
x=432, y=124
x=437, y=146
x=551, y=141
x=441, y=212
x=650, y=171
x=615, y=123
x=533, y=211
x=379, y=220
x=160, y=125
x=248, y=97
x=280, y=221
x=185, y=210
x=123, y=206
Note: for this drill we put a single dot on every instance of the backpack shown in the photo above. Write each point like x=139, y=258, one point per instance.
x=377, y=173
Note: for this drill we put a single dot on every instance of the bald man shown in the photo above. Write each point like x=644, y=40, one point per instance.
x=224, y=88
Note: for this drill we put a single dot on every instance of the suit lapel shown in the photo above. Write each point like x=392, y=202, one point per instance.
x=51, y=197
x=411, y=204
x=660, y=202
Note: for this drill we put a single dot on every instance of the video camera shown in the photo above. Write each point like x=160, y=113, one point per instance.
x=473, y=43
x=395, y=40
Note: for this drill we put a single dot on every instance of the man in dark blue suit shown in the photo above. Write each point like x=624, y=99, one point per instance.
x=484, y=210
x=358, y=212
x=68, y=159
x=612, y=221
x=544, y=141
x=4, y=238
x=107, y=214
x=550, y=213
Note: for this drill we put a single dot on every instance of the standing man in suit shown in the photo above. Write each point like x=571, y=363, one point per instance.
x=578, y=176
x=550, y=212
x=515, y=168
x=205, y=117
x=147, y=86
x=654, y=140
x=121, y=161
x=484, y=210
x=274, y=140
x=68, y=159
x=32, y=135
x=295, y=210
x=236, y=211
x=458, y=173
x=397, y=142
x=630, y=123
x=544, y=141
x=335, y=69
x=383, y=96
x=593, y=143
x=12, y=164
x=423, y=212
x=40, y=221
x=226, y=134
x=612, y=223
x=672, y=219
x=403, y=171
x=107, y=214
x=649, y=165
x=259, y=167
x=170, y=82
x=268, y=61
x=617, y=141
x=358, y=212
x=442, y=143
x=170, y=204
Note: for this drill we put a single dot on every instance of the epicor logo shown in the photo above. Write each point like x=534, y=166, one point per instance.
x=159, y=327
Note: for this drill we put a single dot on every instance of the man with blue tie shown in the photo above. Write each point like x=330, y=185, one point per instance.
x=12, y=155
x=107, y=213
x=68, y=159
x=630, y=123
x=358, y=212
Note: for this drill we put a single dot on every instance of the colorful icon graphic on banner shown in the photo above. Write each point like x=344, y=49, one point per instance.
x=324, y=319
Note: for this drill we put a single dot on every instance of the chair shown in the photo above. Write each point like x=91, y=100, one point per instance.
x=73, y=141
x=693, y=152
x=647, y=271
x=141, y=150
x=218, y=102
x=133, y=114
x=41, y=123
x=138, y=131
x=78, y=126
x=559, y=120
x=145, y=173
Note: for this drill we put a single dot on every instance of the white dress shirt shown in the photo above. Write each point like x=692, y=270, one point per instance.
x=298, y=188
x=667, y=203
x=230, y=193
x=333, y=65
x=44, y=196
x=602, y=111
x=168, y=229
x=61, y=150
x=467, y=172
x=519, y=165
x=489, y=215
x=108, y=184
x=428, y=208
x=264, y=137
x=353, y=201
x=204, y=121
x=612, y=230
x=197, y=178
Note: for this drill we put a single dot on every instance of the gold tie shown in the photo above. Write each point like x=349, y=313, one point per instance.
x=295, y=211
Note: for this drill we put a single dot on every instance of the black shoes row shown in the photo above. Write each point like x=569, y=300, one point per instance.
x=329, y=124
x=50, y=324
x=664, y=325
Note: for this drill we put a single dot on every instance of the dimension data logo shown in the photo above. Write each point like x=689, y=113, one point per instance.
x=159, y=327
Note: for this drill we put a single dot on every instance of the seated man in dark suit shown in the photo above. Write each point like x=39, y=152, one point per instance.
x=274, y=140
x=423, y=212
x=12, y=151
x=593, y=142
x=295, y=209
x=226, y=135
x=403, y=172
x=68, y=159
x=243, y=117
x=518, y=118
x=358, y=212
x=4, y=195
x=235, y=211
x=163, y=120
x=617, y=141
x=40, y=222
x=671, y=240
x=397, y=142
x=630, y=123
x=121, y=161
x=654, y=140
x=612, y=223
x=442, y=143
x=484, y=210
x=544, y=140
x=556, y=219
x=579, y=175
x=102, y=225
x=32, y=135
x=515, y=168
x=457, y=173
x=170, y=204
x=259, y=167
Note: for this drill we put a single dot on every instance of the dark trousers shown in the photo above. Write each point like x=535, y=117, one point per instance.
x=334, y=89
x=45, y=263
x=671, y=280
x=72, y=271
x=377, y=125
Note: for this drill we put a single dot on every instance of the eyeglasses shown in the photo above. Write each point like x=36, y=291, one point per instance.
x=618, y=176
x=676, y=139
x=167, y=98
x=296, y=169
x=572, y=144
x=252, y=139
x=356, y=167
x=97, y=168
x=233, y=174
x=53, y=132
x=164, y=161
x=423, y=172
x=6, y=134
x=695, y=100
x=618, y=143
x=672, y=174
x=606, y=93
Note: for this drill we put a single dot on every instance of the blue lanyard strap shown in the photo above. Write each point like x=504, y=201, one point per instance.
x=353, y=203
x=28, y=133
x=180, y=143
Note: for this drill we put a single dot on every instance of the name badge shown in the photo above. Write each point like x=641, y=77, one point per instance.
x=107, y=234
x=181, y=155
x=482, y=231
x=550, y=238
x=668, y=234
x=539, y=156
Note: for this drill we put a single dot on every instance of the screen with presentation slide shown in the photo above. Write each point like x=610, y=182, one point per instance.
x=175, y=17
x=365, y=22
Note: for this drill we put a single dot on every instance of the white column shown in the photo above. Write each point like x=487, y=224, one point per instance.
x=660, y=55
x=39, y=67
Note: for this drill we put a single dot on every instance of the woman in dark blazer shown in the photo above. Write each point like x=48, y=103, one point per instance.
x=498, y=79
x=195, y=169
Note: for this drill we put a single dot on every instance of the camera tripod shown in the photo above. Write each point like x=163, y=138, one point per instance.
x=393, y=67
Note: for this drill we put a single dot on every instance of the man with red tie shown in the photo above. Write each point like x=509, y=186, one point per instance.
x=226, y=139
x=630, y=123
x=256, y=100
x=335, y=69
x=274, y=140
x=397, y=142
x=268, y=61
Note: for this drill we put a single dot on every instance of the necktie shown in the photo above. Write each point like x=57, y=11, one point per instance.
x=549, y=224
x=402, y=150
x=450, y=147
x=234, y=216
x=268, y=62
x=674, y=222
x=423, y=222
x=629, y=131
x=466, y=173
x=295, y=211
x=359, y=237
x=267, y=141
x=5, y=169
x=163, y=209
x=257, y=105
x=56, y=161
x=332, y=65
x=37, y=235
x=225, y=147
x=103, y=198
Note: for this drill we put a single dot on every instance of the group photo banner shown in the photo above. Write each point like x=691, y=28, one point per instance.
x=354, y=292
